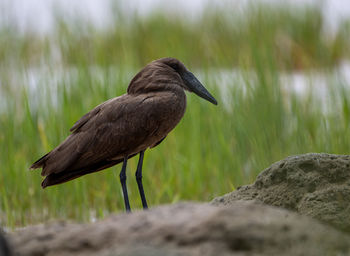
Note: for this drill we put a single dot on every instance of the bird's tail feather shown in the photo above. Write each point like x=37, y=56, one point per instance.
x=40, y=162
x=61, y=177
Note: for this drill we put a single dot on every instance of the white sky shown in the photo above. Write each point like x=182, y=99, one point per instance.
x=38, y=14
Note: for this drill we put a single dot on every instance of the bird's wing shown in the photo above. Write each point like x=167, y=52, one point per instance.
x=88, y=116
x=110, y=130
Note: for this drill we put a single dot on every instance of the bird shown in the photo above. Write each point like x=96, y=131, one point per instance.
x=125, y=126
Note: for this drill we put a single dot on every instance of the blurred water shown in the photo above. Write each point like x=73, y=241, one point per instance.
x=318, y=84
x=39, y=15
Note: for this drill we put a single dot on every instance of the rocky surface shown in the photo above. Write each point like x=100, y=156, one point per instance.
x=244, y=222
x=4, y=246
x=245, y=228
x=316, y=185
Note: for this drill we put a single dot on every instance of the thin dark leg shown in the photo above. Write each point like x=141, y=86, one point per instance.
x=122, y=176
x=138, y=175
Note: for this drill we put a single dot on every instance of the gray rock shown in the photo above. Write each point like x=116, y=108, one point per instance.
x=4, y=246
x=316, y=185
x=245, y=228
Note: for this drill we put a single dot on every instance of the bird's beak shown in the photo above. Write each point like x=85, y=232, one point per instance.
x=195, y=86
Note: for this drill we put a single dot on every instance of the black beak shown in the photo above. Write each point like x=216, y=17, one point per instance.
x=195, y=86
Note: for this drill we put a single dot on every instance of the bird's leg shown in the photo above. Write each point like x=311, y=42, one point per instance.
x=138, y=175
x=122, y=176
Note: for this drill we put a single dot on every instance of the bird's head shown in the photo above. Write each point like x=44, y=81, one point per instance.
x=190, y=82
x=164, y=74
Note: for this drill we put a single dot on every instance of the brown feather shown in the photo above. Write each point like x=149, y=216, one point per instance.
x=123, y=126
x=61, y=177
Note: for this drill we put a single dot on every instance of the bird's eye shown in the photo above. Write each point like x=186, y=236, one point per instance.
x=175, y=66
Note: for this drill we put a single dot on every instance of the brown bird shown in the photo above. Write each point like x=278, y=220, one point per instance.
x=125, y=126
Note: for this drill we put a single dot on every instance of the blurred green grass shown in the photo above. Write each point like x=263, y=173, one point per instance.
x=212, y=151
